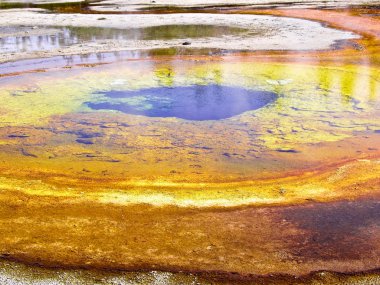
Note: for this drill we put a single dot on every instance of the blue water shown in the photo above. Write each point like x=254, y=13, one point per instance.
x=196, y=102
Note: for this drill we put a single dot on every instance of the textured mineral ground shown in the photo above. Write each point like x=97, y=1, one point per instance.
x=172, y=142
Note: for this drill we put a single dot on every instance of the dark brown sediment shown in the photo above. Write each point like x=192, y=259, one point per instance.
x=295, y=240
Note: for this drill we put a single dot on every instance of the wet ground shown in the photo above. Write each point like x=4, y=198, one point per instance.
x=176, y=6
x=191, y=163
x=29, y=39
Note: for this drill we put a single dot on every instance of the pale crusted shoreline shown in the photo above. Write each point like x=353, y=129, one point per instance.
x=135, y=5
x=264, y=32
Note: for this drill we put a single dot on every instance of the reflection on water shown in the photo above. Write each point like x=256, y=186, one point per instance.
x=318, y=109
x=22, y=39
x=100, y=58
x=198, y=102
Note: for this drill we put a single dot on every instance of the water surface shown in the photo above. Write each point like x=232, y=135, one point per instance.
x=261, y=166
x=22, y=39
x=198, y=102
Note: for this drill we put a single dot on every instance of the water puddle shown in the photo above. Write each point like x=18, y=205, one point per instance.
x=29, y=39
x=199, y=102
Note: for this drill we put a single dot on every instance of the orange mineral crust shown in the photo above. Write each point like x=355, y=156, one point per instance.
x=99, y=169
x=289, y=188
x=50, y=231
